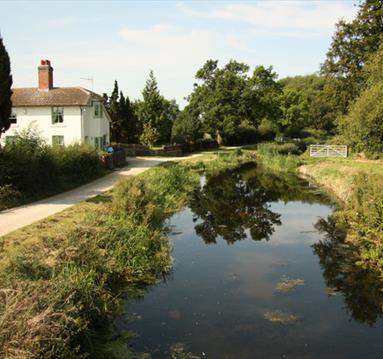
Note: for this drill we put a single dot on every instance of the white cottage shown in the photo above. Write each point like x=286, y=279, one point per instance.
x=62, y=115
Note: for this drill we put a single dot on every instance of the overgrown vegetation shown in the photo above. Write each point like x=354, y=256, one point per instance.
x=63, y=278
x=30, y=169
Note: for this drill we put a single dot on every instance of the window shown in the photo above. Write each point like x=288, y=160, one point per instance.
x=86, y=139
x=97, y=109
x=58, y=140
x=57, y=115
x=98, y=142
x=13, y=118
x=104, y=141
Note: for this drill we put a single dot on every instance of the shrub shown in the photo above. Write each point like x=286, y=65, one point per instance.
x=9, y=197
x=34, y=169
x=278, y=149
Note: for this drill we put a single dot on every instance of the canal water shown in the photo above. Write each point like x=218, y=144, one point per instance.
x=254, y=277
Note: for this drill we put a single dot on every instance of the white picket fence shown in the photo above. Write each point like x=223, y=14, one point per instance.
x=328, y=151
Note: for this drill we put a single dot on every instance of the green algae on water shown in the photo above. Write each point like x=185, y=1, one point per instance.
x=278, y=316
x=287, y=284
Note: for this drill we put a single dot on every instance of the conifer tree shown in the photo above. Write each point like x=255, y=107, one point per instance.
x=5, y=89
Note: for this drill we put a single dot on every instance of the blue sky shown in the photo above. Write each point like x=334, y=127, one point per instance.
x=123, y=40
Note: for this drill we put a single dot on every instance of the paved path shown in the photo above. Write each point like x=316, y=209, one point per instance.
x=15, y=218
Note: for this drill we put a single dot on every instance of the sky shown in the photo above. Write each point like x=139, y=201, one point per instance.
x=123, y=40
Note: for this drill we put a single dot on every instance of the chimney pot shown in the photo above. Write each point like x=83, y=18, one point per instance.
x=45, y=75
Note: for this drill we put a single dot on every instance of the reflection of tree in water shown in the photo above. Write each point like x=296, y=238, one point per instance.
x=228, y=205
x=362, y=289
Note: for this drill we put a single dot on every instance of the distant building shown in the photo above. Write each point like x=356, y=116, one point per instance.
x=61, y=115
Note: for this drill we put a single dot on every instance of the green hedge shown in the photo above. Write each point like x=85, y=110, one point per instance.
x=32, y=169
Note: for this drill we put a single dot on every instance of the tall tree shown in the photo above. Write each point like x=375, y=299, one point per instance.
x=226, y=100
x=362, y=127
x=5, y=89
x=114, y=111
x=352, y=45
x=155, y=110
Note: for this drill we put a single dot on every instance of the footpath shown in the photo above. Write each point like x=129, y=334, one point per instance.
x=18, y=217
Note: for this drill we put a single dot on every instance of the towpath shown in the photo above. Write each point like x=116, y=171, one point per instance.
x=18, y=217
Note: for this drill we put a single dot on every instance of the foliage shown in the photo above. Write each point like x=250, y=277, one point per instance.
x=154, y=111
x=315, y=93
x=187, y=127
x=34, y=169
x=362, y=127
x=352, y=45
x=5, y=89
x=351, y=254
x=9, y=197
x=63, y=279
x=295, y=113
x=227, y=98
x=279, y=157
x=123, y=120
x=149, y=135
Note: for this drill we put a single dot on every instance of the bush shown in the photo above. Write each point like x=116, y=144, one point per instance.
x=34, y=169
x=278, y=149
x=9, y=197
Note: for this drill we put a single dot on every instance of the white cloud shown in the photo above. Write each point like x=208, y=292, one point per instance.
x=175, y=54
x=315, y=16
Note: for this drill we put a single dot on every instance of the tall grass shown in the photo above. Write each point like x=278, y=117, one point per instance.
x=279, y=157
x=63, y=279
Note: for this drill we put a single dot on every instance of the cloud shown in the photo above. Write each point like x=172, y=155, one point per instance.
x=315, y=16
x=174, y=53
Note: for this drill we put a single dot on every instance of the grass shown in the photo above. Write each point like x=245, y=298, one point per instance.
x=337, y=175
x=63, y=279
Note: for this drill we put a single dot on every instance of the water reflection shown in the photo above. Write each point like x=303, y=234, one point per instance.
x=228, y=205
x=361, y=288
x=236, y=204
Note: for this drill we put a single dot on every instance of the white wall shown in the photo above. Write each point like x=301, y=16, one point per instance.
x=74, y=129
x=95, y=127
x=40, y=118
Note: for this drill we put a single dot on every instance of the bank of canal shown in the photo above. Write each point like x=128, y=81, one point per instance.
x=252, y=279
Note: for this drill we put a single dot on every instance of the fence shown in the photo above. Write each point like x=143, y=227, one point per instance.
x=328, y=151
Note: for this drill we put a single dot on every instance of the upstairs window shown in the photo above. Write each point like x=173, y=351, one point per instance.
x=57, y=115
x=97, y=110
x=13, y=118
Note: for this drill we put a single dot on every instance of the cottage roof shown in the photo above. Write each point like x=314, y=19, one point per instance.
x=57, y=96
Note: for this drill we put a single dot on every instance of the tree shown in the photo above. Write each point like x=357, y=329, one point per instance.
x=149, y=135
x=295, y=112
x=315, y=90
x=114, y=112
x=187, y=127
x=352, y=45
x=155, y=110
x=362, y=127
x=230, y=104
x=5, y=89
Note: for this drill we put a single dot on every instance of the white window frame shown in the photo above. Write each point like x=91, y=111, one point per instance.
x=60, y=141
x=57, y=115
x=97, y=112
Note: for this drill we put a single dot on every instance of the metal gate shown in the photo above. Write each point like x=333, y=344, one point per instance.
x=328, y=151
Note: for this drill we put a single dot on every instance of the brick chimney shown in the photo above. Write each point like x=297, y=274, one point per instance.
x=45, y=75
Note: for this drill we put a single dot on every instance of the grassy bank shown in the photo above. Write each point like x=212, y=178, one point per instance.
x=63, y=279
x=358, y=186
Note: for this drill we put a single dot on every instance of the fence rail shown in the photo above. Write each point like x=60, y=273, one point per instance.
x=328, y=151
